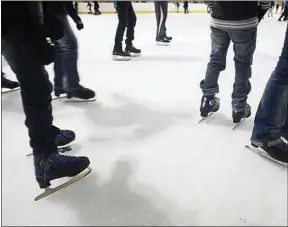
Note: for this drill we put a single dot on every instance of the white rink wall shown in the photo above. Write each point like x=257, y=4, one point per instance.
x=108, y=7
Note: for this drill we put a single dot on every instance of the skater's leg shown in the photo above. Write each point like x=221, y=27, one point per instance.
x=220, y=43
x=244, y=45
x=131, y=23
x=271, y=115
x=164, y=10
x=158, y=15
x=66, y=50
x=122, y=9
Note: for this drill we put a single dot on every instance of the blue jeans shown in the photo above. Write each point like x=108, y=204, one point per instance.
x=66, y=56
x=271, y=117
x=244, y=45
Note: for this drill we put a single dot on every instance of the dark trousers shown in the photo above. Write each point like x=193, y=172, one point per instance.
x=161, y=12
x=284, y=14
x=271, y=119
x=127, y=18
x=96, y=6
x=35, y=92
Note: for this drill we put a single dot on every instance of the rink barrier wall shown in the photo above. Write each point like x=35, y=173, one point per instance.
x=108, y=8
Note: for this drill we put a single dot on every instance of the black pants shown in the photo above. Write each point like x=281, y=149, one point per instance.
x=161, y=12
x=284, y=14
x=96, y=6
x=35, y=91
x=127, y=18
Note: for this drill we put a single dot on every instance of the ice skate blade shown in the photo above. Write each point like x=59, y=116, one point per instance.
x=7, y=90
x=59, y=97
x=119, y=58
x=236, y=125
x=204, y=118
x=262, y=153
x=162, y=44
x=133, y=55
x=77, y=100
x=50, y=191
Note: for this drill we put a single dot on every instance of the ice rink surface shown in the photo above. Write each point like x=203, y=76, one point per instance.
x=153, y=164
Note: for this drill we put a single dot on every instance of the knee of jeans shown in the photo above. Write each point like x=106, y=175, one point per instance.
x=217, y=64
x=243, y=59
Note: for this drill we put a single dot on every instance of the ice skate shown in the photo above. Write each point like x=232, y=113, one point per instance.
x=81, y=94
x=59, y=93
x=277, y=154
x=168, y=37
x=209, y=105
x=120, y=55
x=62, y=140
x=55, y=166
x=162, y=41
x=239, y=117
x=134, y=52
x=8, y=85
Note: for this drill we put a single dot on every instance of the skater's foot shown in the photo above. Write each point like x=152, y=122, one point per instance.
x=81, y=94
x=9, y=84
x=162, y=41
x=63, y=137
x=130, y=49
x=55, y=166
x=278, y=152
x=168, y=37
x=239, y=115
x=209, y=104
x=120, y=55
x=59, y=91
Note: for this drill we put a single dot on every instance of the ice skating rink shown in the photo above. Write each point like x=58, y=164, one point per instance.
x=153, y=164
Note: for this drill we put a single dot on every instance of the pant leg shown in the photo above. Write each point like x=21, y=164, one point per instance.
x=220, y=44
x=158, y=16
x=35, y=92
x=285, y=14
x=66, y=57
x=96, y=6
x=244, y=45
x=271, y=117
x=122, y=12
x=132, y=19
x=164, y=9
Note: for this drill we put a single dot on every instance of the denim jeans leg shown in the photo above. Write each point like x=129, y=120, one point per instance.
x=244, y=45
x=220, y=44
x=66, y=53
x=271, y=116
x=35, y=92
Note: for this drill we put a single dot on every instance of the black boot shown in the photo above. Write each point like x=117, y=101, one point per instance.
x=81, y=94
x=162, y=41
x=130, y=49
x=238, y=116
x=120, y=55
x=6, y=83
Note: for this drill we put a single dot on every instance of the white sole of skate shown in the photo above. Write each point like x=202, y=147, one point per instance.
x=205, y=118
x=135, y=55
x=77, y=100
x=162, y=44
x=50, y=191
x=62, y=96
x=6, y=90
x=236, y=125
x=262, y=153
x=118, y=58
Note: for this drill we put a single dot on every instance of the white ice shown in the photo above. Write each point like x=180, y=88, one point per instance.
x=153, y=164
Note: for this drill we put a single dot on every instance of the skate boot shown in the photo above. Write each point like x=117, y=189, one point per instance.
x=81, y=94
x=59, y=92
x=8, y=84
x=168, y=37
x=54, y=166
x=162, y=41
x=63, y=137
x=209, y=104
x=134, y=52
x=120, y=55
x=277, y=153
x=238, y=116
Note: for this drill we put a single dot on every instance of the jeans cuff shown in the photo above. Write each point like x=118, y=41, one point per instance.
x=266, y=143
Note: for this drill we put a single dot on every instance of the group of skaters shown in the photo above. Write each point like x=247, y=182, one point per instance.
x=27, y=51
x=283, y=6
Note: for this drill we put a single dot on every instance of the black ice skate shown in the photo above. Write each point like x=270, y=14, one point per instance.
x=239, y=117
x=55, y=166
x=59, y=93
x=209, y=105
x=168, y=37
x=120, y=55
x=81, y=94
x=134, y=52
x=277, y=154
x=8, y=85
x=162, y=41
